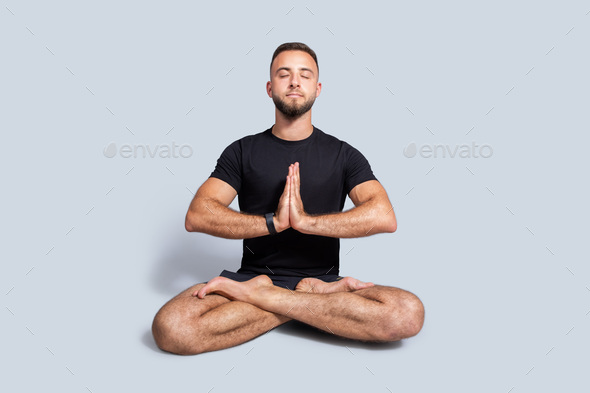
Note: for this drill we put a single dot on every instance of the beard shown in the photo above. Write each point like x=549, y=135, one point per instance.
x=292, y=110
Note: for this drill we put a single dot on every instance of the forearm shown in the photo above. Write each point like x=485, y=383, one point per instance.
x=367, y=219
x=211, y=217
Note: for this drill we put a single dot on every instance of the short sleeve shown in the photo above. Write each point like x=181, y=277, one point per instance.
x=229, y=166
x=357, y=168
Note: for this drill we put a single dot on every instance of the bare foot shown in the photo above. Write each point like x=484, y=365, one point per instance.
x=234, y=290
x=347, y=284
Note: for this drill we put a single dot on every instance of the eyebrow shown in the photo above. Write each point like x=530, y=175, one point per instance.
x=289, y=69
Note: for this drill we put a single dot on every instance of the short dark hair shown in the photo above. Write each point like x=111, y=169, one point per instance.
x=295, y=46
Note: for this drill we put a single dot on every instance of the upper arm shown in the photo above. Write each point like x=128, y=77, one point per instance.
x=212, y=191
x=217, y=190
x=357, y=171
x=380, y=208
x=226, y=179
x=366, y=191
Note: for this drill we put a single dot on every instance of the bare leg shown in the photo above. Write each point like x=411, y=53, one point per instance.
x=187, y=325
x=376, y=313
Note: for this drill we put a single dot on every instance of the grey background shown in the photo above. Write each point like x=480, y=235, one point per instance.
x=495, y=247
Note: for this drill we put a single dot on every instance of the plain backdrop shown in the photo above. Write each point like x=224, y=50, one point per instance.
x=492, y=235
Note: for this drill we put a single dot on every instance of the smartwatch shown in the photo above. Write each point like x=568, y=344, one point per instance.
x=270, y=223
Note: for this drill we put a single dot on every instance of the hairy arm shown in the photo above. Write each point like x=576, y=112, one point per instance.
x=372, y=214
x=209, y=213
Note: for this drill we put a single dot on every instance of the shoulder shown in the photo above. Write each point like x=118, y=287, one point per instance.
x=344, y=147
x=256, y=137
x=328, y=139
x=248, y=140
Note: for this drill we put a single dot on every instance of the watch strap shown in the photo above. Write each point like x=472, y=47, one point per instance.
x=270, y=223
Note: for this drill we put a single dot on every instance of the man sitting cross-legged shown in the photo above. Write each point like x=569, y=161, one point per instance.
x=291, y=220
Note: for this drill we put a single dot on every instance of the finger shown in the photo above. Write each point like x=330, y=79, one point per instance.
x=286, y=189
x=298, y=175
x=292, y=192
x=296, y=183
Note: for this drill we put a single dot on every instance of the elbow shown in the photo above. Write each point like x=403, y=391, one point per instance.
x=391, y=225
x=385, y=225
x=188, y=225
x=190, y=222
x=391, y=228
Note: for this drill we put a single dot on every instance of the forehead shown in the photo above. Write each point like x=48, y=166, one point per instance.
x=294, y=59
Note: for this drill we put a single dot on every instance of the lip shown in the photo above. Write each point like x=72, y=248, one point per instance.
x=294, y=95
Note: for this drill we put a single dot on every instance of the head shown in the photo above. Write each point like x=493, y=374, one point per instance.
x=294, y=74
x=297, y=46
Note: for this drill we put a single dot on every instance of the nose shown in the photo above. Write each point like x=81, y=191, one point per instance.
x=294, y=81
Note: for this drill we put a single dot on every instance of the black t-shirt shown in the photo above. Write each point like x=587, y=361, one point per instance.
x=256, y=166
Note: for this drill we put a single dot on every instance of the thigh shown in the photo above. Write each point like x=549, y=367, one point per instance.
x=386, y=294
x=186, y=303
x=405, y=309
x=189, y=325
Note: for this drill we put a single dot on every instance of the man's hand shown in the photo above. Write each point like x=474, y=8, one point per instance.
x=281, y=218
x=290, y=212
x=297, y=215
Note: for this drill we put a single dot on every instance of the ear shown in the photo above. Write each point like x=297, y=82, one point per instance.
x=318, y=89
x=269, y=89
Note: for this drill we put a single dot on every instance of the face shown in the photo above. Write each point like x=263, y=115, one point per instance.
x=293, y=83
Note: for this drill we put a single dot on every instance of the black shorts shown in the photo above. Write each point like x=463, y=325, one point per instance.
x=280, y=281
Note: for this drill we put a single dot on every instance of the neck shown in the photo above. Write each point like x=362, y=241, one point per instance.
x=292, y=129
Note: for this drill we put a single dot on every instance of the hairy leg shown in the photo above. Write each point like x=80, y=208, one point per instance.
x=374, y=313
x=188, y=325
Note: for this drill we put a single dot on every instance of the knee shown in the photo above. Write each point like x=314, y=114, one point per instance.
x=414, y=316
x=405, y=319
x=171, y=333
